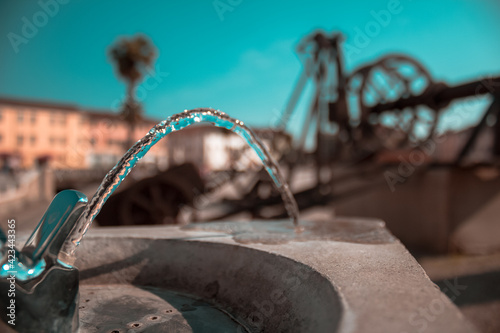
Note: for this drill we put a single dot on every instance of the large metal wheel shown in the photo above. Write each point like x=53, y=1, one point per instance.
x=155, y=200
x=389, y=79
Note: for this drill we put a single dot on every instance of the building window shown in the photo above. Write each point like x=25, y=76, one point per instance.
x=52, y=140
x=63, y=119
x=52, y=117
x=20, y=140
x=1, y=115
x=20, y=117
x=33, y=140
x=63, y=141
x=33, y=118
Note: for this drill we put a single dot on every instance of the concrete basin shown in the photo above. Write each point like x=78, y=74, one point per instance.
x=344, y=276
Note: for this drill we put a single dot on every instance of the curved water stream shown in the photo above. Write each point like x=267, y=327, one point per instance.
x=174, y=123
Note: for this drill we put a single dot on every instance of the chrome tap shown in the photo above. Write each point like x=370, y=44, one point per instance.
x=38, y=292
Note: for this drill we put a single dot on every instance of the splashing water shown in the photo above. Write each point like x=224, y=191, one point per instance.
x=174, y=123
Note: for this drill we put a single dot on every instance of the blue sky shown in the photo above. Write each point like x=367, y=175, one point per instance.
x=241, y=61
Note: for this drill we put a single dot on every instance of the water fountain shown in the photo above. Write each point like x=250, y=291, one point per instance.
x=260, y=276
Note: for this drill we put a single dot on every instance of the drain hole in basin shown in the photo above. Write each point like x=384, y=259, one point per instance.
x=125, y=307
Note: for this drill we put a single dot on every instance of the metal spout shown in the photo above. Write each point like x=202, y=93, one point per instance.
x=43, y=289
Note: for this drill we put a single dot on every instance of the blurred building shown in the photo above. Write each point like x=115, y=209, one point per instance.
x=209, y=147
x=66, y=136
x=218, y=149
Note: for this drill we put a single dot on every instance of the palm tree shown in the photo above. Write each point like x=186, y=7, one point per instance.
x=132, y=56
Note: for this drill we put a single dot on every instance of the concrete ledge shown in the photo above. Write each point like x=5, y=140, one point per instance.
x=317, y=285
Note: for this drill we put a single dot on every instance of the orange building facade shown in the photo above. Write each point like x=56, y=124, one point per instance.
x=66, y=136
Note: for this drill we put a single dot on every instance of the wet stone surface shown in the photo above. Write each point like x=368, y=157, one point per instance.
x=133, y=309
x=281, y=232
